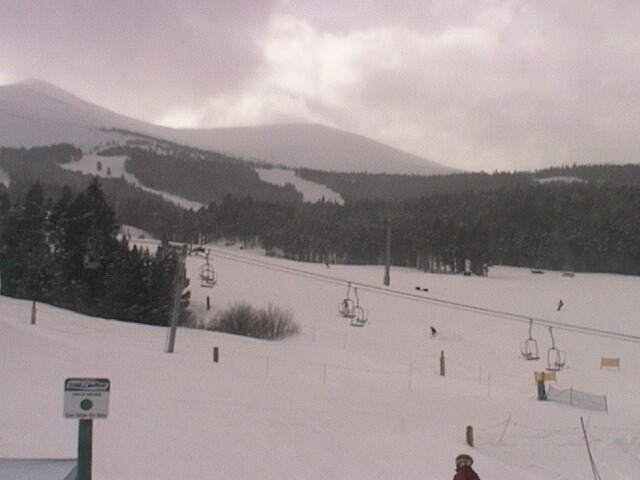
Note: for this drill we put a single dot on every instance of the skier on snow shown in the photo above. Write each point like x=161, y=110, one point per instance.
x=463, y=468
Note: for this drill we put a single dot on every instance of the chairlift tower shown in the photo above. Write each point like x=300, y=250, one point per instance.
x=387, y=268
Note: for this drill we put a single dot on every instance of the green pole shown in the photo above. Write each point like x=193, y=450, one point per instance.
x=85, y=433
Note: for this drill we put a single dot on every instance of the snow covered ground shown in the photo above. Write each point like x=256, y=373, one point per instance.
x=336, y=401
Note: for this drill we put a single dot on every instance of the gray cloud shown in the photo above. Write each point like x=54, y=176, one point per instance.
x=555, y=85
x=144, y=53
x=479, y=84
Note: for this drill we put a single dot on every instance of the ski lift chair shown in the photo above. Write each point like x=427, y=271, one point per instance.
x=529, y=348
x=348, y=306
x=361, y=315
x=556, y=359
x=207, y=276
x=91, y=261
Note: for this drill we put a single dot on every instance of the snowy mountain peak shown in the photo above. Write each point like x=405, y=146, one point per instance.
x=35, y=112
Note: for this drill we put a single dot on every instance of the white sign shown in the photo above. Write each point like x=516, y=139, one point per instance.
x=86, y=398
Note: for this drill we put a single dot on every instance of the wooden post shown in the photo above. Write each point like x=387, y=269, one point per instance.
x=33, y=313
x=542, y=391
x=470, y=436
x=208, y=303
x=442, y=369
x=215, y=354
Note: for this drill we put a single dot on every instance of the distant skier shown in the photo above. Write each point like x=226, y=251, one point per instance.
x=560, y=304
x=463, y=468
x=434, y=332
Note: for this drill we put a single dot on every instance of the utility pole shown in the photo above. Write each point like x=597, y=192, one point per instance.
x=387, y=266
x=178, y=285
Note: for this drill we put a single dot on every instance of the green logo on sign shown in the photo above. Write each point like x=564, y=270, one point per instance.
x=86, y=404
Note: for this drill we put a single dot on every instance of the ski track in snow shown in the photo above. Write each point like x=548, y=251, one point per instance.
x=311, y=191
x=114, y=167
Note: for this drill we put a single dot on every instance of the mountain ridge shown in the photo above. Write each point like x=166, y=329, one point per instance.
x=35, y=112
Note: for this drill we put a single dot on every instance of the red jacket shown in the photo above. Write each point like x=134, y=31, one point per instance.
x=466, y=473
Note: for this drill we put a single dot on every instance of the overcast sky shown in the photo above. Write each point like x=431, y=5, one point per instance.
x=478, y=85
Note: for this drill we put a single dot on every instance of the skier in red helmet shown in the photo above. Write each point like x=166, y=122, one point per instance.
x=463, y=468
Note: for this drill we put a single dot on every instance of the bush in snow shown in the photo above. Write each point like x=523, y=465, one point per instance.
x=271, y=323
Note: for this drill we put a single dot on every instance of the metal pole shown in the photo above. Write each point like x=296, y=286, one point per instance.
x=85, y=434
x=177, y=292
x=387, y=267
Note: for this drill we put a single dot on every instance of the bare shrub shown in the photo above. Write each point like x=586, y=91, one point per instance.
x=241, y=318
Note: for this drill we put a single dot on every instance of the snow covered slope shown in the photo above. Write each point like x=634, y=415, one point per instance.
x=37, y=113
x=114, y=167
x=337, y=402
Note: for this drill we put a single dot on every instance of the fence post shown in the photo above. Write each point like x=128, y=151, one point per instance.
x=215, y=354
x=470, y=436
x=542, y=392
x=33, y=313
x=442, y=367
x=208, y=303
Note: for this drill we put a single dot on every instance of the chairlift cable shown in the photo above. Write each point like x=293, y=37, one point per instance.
x=430, y=300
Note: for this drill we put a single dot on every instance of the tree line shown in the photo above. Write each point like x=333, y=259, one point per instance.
x=510, y=219
x=576, y=226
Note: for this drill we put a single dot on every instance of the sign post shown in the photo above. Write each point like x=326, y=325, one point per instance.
x=86, y=399
x=85, y=448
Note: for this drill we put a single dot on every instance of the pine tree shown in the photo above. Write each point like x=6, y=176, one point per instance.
x=26, y=260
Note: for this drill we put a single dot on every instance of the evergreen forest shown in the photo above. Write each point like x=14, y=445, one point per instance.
x=67, y=253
